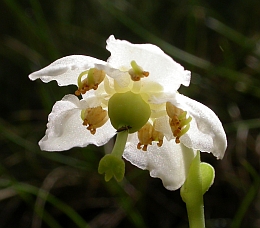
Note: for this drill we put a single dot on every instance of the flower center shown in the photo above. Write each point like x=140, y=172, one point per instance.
x=178, y=121
x=146, y=135
x=137, y=72
x=94, y=118
x=93, y=79
x=128, y=111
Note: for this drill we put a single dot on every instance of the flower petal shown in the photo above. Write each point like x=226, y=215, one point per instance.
x=66, y=70
x=206, y=132
x=65, y=129
x=161, y=67
x=170, y=162
x=121, y=77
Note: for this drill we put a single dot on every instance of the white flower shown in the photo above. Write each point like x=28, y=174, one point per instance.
x=161, y=122
x=171, y=162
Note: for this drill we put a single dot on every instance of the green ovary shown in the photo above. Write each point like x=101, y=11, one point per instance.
x=128, y=110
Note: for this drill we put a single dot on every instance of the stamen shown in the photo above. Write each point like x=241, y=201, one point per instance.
x=178, y=121
x=137, y=72
x=158, y=136
x=94, y=78
x=94, y=118
x=146, y=135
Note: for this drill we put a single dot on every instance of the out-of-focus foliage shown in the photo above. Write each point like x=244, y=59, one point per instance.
x=217, y=40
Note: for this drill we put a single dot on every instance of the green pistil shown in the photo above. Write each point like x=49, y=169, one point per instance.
x=128, y=110
x=119, y=146
x=113, y=164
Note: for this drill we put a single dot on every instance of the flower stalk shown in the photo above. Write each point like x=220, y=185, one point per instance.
x=192, y=194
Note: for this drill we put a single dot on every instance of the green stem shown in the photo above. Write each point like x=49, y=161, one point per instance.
x=120, y=142
x=192, y=195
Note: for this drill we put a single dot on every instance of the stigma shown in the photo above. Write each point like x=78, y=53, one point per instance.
x=178, y=121
x=137, y=72
x=146, y=135
x=94, y=118
x=93, y=79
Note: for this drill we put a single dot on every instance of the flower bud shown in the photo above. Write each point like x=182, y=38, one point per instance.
x=128, y=111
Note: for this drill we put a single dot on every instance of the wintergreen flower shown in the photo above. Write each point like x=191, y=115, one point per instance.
x=134, y=95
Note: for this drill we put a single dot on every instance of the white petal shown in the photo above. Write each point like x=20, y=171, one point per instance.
x=66, y=70
x=121, y=77
x=65, y=129
x=206, y=132
x=170, y=162
x=162, y=68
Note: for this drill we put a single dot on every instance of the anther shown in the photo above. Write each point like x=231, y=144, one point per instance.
x=94, y=118
x=178, y=121
x=93, y=79
x=137, y=72
x=146, y=135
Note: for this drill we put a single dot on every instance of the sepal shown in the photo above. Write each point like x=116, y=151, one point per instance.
x=207, y=176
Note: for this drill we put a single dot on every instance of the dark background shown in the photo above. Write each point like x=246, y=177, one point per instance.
x=217, y=40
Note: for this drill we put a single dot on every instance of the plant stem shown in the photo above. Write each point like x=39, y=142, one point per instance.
x=192, y=195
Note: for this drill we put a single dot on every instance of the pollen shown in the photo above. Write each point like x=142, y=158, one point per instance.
x=137, y=72
x=94, y=118
x=178, y=121
x=146, y=135
x=93, y=79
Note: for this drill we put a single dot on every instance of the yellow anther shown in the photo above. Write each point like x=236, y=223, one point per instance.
x=146, y=135
x=172, y=110
x=94, y=78
x=158, y=136
x=178, y=121
x=94, y=118
x=137, y=72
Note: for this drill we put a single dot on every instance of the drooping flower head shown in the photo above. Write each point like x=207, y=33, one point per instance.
x=134, y=95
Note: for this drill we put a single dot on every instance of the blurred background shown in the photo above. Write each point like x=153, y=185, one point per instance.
x=217, y=40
